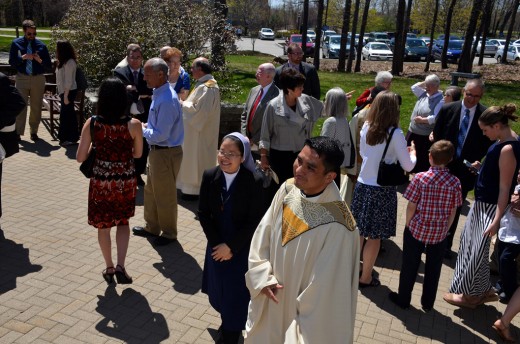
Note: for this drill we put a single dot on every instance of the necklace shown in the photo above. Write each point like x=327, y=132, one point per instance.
x=223, y=201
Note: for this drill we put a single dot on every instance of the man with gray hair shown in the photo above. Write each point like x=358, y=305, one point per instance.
x=429, y=102
x=201, y=116
x=259, y=96
x=457, y=122
x=164, y=133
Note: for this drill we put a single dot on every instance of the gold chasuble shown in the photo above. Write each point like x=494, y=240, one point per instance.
x=300, y=215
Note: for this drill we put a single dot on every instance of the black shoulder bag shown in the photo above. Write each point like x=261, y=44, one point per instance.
x=87, y=166
x=390, y=174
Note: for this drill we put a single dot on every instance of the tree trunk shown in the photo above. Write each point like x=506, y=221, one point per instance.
x=434, y=22
x=361, y=34
x=486, y=21
x=304, y=28
x=397, y=61
x=514, y=8
x=465, y=62
x=218, y=49
x=344, y=35
x=447, y=32
x=317, y=43
x=352, y=49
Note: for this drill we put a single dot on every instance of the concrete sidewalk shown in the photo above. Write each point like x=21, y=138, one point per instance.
x=52, y=291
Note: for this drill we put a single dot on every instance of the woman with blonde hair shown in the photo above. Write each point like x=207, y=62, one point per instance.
x=177, y=76
x=337, y=127
x=375, y=207
x=471, y=285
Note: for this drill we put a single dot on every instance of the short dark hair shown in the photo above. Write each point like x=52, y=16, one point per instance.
x=65, y=51
x=442, y=152
x=290, y=79
x=204, y=66
x=132, y=48
x=28, y=24
x=328, y=150
x=455, y=92
x=112, y=100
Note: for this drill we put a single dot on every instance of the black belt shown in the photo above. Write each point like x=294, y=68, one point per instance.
x=155, y=147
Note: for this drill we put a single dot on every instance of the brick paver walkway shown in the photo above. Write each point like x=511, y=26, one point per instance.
x=51, y=289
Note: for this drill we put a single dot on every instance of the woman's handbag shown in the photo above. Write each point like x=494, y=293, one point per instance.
x=390, y=174
x=87, y=166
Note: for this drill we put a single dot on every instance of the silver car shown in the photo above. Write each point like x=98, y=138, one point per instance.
x=376, y=51
x=266, y=33
x=513, y=53
x=490, y=49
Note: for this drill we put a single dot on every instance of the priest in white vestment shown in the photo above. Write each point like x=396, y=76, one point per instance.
x=304, y=258
x=201, y=117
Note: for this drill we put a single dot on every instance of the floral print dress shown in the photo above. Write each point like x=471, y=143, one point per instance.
x=111, y=197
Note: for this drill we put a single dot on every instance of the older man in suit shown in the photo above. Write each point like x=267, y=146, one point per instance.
x=312, y=81
x=457, y=122
x=259, y=96
x=139, y=97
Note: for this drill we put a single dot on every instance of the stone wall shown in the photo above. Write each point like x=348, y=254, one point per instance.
x=229, y=118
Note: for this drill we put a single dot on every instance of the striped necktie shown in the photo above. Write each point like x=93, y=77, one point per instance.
x=462, y=132
x=28, y=63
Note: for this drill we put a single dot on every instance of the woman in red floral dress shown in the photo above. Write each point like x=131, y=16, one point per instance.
x=111, y=199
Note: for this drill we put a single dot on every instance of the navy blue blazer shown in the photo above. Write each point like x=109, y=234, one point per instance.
x=247, y=207
x=475, y=145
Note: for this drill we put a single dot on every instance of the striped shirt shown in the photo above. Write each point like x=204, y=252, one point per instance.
x=436, y=192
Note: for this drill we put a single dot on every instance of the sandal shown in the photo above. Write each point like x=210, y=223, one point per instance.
x=450, y=298
x=373, y=283
x=121, y=275
x=504, y=333
x=109, y=276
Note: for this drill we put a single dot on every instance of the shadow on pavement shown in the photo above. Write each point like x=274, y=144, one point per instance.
x=129, y=318
x=180, y=267
x=40, y=147
x=14, y=262
x=433, y=324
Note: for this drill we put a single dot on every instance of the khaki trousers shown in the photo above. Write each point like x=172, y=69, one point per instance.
x=160, y=192
x=31, y=86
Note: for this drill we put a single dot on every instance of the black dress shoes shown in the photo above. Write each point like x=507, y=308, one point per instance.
x=162, y=241
x=140, y=231
x=34, y=137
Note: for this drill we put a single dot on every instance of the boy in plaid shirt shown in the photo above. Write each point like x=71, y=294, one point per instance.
x=433, y=196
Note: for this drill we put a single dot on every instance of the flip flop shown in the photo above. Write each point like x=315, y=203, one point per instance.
x=448, y=297
x=503, y=333
x=373, y=283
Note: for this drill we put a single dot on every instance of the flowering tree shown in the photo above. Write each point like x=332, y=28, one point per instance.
x=100, y=30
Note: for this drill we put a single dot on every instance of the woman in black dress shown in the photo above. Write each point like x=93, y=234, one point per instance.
x=230, y=208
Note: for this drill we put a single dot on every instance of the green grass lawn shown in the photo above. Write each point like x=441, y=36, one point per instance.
x=241, y=78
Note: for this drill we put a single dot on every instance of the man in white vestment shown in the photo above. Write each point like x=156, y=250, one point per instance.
x=201, y=115
x=304, y=258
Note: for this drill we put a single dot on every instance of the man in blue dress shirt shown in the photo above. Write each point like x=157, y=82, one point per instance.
x=164, y=132
x=30, y=57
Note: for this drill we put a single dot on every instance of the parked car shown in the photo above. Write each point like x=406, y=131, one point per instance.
x=376, y=51
x=326, y=33
x=489, y=49
x=452, y=37
x=311, y=34
x=266, y=33
x=309, y=46
x=517, y=42
x=513, y=53
x=331, y=49
x=411, y=35
x=425, y=39
x=498, y=42
x=414, y=50
x=378, y=37
x=453, y=52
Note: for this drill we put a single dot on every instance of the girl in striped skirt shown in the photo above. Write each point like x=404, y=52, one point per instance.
x=471, y=284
